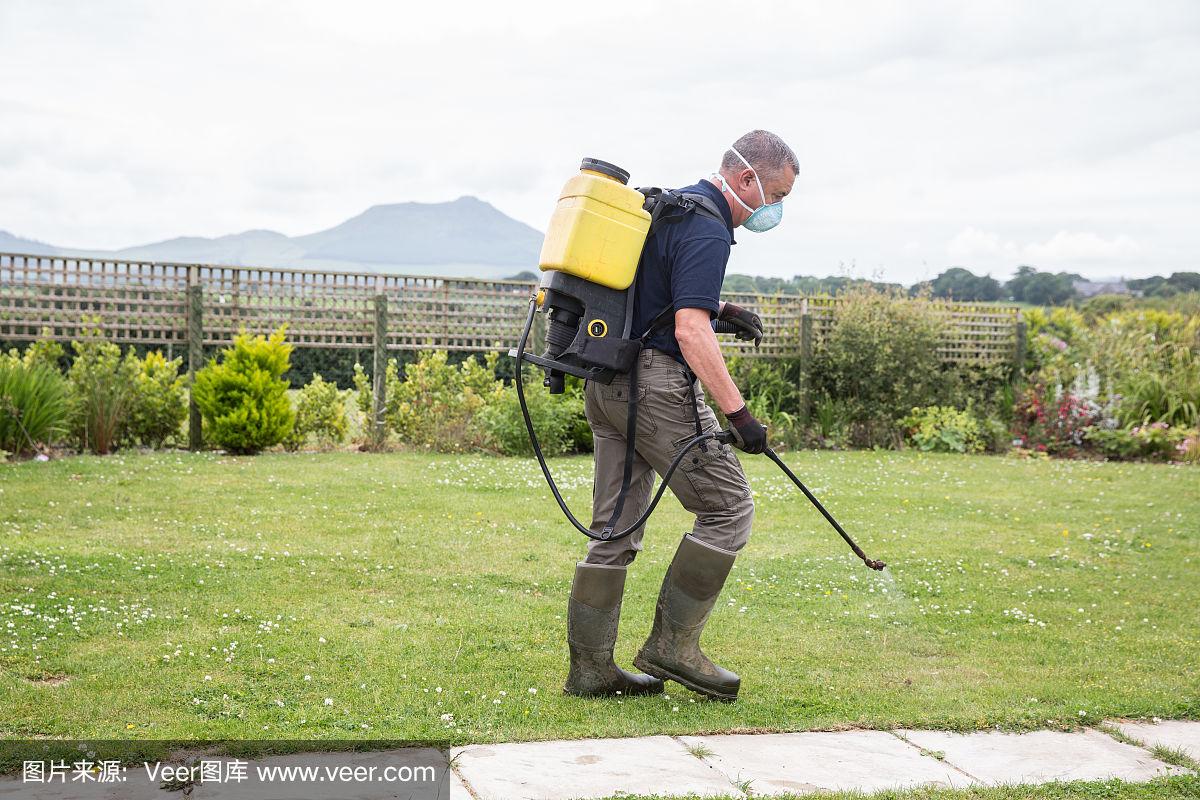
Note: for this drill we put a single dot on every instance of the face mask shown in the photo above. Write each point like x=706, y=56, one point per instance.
x=766, y=216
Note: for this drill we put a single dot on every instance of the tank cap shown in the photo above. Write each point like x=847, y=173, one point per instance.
x=605, y=168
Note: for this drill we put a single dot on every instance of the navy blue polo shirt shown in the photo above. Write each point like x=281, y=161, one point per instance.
x=682, y=266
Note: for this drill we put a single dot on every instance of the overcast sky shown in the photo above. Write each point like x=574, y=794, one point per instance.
x=1064, y=135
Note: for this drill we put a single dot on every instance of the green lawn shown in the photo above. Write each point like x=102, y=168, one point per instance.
x=408, y=596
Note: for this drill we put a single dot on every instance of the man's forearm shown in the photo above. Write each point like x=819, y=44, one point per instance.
x=703, y=354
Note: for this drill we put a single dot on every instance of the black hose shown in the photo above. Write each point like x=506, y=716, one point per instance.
x=725, y=437
x=537, y=450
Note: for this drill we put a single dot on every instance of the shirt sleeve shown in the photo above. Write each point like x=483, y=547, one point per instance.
x=697, y=271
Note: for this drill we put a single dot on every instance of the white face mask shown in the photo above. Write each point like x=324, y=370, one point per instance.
x=763, y=218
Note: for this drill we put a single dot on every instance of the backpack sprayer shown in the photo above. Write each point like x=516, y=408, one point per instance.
x=588, y=261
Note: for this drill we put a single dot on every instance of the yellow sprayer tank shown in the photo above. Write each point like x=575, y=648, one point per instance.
x=598, y=227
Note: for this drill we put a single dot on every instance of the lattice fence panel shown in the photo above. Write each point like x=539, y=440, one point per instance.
x=131, y=302
x=455, y=314
x=145, y=302
x=321, y=309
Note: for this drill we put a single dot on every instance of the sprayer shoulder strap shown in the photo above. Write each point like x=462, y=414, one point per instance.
x=670, y=206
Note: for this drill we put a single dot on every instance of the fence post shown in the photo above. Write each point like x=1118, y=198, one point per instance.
x=1018, y=372
x=195, y=337
x=379, y=382
x=806, y=352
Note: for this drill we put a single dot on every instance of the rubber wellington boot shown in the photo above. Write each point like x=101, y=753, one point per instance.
x=689, y=591
x=592, y=616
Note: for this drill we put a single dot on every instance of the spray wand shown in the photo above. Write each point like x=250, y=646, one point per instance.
x=728, y=438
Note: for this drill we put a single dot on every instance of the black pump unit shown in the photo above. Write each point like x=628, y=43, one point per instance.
x=587, y=330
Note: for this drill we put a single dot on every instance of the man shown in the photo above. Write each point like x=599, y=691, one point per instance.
x=682, y=268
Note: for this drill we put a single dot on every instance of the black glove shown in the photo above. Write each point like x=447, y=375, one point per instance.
x=751, y=434
x=748, y=323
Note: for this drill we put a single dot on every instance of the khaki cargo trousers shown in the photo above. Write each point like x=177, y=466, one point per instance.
x=709, y=483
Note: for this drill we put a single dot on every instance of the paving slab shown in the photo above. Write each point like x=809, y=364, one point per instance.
x=587, y=768
x=1178, y=733
x=807, y=762
x=1041, y=756
x=458, y=789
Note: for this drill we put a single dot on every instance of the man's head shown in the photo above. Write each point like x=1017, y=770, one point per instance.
x=758, y=157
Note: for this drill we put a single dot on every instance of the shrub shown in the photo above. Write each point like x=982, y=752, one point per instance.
x=365, y=394
x=997, y=438
x=103, y=392
x=881, y=360
x=1167, y=391
x=1058, y=346
x=1189, y=449
x=832, y=420
x=243, y=398
x=1045, y=424
x=1157, y=441
x=159, y=407
x=45, y=352
x=555, y=418
x=943, y=429
x=364, y=390
x=320, y=410
x=1151, y=357
x=986, y=388
x=33, y=407
x=434, y=405
x=771, y=388
x=1102, y=305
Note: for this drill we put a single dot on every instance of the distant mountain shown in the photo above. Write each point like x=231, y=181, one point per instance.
x=466, y=237
x=251, y=247
x=466, y=230
x=15, y=244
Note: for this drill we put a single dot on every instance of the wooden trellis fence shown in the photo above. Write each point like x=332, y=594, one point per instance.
x=191, y=305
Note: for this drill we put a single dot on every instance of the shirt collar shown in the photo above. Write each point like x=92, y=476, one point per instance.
x=720, y=202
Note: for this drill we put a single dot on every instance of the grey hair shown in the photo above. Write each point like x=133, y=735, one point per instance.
x=765, y=151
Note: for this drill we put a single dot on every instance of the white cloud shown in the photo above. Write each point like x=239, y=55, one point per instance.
x=1081, y=248
x=973, y=243
x=1065, y=250
x=984, y=133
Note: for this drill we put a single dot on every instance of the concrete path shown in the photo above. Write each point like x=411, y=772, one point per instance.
x=708, y=766
x=770, y=764
x=1183, y=736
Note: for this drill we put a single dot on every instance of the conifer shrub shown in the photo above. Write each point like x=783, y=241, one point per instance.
x=242, y=396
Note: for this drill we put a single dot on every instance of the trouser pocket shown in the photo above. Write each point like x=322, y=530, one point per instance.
x=711, y=477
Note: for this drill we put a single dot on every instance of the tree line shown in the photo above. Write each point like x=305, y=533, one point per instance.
x=1029, y=285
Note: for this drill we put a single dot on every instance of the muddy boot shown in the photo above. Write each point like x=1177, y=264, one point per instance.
x=592, y=615
x=689, y=591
